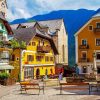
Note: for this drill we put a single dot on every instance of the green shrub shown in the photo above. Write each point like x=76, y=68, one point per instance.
x=4, y=75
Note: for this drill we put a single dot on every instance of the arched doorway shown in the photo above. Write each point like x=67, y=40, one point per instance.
x=37, y=73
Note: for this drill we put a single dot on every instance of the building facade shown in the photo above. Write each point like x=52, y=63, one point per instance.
x=56, y=29
x=5, y=33
x=3, y=7
x=38, y=58
x=87, y=41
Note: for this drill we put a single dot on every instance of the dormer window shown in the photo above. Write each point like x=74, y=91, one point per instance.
x=41, y=42
x=98, y=25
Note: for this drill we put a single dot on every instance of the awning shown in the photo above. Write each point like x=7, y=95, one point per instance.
x=3, y=67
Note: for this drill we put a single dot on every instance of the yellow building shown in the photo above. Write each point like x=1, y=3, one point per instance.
x=56, y=28
x=39, y=56
x=88, y=46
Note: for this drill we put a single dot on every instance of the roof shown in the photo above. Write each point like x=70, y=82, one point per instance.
x=26, y=34
x=97, y=15
x=52, y=24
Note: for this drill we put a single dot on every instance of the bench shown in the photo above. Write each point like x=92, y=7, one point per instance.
x=31, y=85
x=76, y=86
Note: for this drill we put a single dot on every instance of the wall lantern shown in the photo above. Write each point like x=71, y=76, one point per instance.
x=94, y=55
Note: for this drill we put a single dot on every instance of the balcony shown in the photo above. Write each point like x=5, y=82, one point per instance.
x=96, y=30
x=43, y=49
x=84, y=60
x=84, y=46
x=4, y=60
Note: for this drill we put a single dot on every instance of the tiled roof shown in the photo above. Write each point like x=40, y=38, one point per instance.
x=97, y=15
x=26, y=34
x=52, y=24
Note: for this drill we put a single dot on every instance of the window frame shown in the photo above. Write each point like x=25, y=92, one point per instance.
x=82, y=42
x=30, y=58
x=97, y=25
x=89, y=27
x=96, y=42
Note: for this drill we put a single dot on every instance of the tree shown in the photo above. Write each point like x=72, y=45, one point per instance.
x=15, y=44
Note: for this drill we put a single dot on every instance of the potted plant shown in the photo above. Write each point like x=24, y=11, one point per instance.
x=3, y=78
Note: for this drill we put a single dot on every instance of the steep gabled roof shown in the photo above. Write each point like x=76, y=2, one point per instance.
x=52, y=24
x=26, y=34
x=97, y=15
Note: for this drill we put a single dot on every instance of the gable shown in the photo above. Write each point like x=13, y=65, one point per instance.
x=82, y=28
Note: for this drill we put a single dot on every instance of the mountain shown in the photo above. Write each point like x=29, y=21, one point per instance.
x=73, y=19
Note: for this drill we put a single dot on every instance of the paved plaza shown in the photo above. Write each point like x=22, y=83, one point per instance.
x=51, y=93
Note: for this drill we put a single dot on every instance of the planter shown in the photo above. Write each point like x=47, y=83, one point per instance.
x=74, y=79
x=7, y=81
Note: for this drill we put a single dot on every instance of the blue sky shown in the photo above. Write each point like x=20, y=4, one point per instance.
x=28, y=8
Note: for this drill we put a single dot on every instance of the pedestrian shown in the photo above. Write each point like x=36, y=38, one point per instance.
x=60, y=76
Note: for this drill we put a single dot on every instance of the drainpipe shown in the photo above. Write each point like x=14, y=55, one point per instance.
x=21, y=53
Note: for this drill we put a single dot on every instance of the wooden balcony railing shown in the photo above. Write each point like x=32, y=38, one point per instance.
x=84, y=46
x=84, y=60
x=4, y=60
x=43, y=49
x=96, y=30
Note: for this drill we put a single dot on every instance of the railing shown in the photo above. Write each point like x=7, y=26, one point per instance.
x=4, y=60
x=84, y=46
x=96, y=30
x=43, y=49
x=84, y=60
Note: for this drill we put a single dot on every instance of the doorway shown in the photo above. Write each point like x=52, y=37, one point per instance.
x=98, y=69
x=38, y=73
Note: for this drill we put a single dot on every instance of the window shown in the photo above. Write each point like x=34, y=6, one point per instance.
x=13, y=57
x=33, y=43
x=39, y=58
x=63, y=53
x=28, y=73
x=98, y=25
x=84, y=42
x=51, y=58
x=30, y=43
x=41, y=42
x=30, y=57
x=3, y=5
x=1, y=26
x=98, y=56
x=17, y=58
x=97, y=42
x=84, y=69
x=46, y=58
x=90, y=28
x=84, y=55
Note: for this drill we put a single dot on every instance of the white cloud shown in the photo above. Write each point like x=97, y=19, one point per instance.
x=27, y=8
